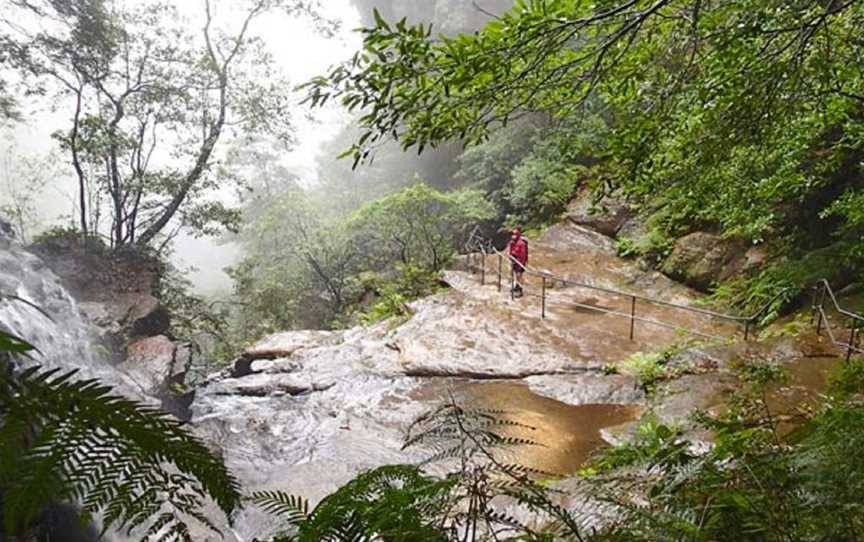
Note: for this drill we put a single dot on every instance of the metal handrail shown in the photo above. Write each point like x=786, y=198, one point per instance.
x=823, y=287
x=484, y=245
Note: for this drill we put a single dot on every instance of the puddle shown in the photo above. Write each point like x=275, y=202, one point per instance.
x=792, y=401
x=568, y=434
x=807, y=379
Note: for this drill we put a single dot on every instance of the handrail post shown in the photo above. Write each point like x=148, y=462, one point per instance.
x=819, y=309
x=747, y=330
x=632, y=316
x=813, y=309
x=851, y=342
x=500, y=261
x=543, y=299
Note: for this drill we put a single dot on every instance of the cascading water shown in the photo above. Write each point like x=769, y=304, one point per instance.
x=57, y=328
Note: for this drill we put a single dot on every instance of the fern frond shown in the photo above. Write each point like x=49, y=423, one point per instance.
x=63, y=439
x=291, y=508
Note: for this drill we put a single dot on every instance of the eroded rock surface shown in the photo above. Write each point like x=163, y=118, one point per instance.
x=306, y=411
x=116, y=291
x=606, y=216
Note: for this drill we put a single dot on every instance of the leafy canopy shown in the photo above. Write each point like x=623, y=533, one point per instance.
x=743, y=115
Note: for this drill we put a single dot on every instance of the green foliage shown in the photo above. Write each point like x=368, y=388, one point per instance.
x=65, y=440
x=783, y=283
x=750, y=486
x=760, y=373
x=542, y=188
x=418, y=225
x=848, y=379
x=652, y=442
x=12, y=344
x=411, y=283
x=648, y=369
x=202, y=322
x=396, y=503
x=742, y=118
x=654, y=245
x=303, y=269
x=798, y=324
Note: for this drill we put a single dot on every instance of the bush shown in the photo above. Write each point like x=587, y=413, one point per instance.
x=784, y=283
x=417, y=226
x=412, y=282
x=848, y=379
x=648, y=369
x=652, y=438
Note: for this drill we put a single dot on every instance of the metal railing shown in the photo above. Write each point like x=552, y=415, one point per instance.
x=822, y=293
x=479, y=248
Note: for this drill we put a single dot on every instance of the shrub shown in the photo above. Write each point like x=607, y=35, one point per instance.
x=412, y=282
x=648, y=369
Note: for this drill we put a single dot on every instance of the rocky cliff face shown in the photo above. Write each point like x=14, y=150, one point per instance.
x=109, y=298
x=698, y=259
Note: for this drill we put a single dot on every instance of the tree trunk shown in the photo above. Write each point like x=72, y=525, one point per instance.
x=76, y=163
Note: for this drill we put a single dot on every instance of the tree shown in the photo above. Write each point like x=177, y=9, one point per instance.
x=418, y=225
x=554, y=55
x=22, y=179
x=299, y=266
x=150, y=100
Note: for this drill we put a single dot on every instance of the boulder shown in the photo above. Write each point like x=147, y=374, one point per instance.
x=588, y=388
x=155, y=363
x=701, y=258
x=281, y=347
x=284, y=345
x=606, y=216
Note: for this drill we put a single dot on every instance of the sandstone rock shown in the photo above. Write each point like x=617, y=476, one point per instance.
x=269, y=385
x=115, y=290
x=567, y=236
x=588, y=388
x=152, y=363
x=701, y=258
x=284, y=345
x=606, y=216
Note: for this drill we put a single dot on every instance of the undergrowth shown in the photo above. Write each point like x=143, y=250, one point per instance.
x=411, y=282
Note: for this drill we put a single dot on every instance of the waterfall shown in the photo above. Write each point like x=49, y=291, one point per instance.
x=36, y=307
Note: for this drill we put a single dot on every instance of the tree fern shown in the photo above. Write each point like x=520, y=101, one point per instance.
x=396, y=503
x=68, y=440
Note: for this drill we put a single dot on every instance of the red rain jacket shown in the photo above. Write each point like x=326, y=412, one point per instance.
x=519, y=250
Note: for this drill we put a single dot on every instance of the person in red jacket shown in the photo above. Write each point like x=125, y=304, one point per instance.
x=518, y=249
